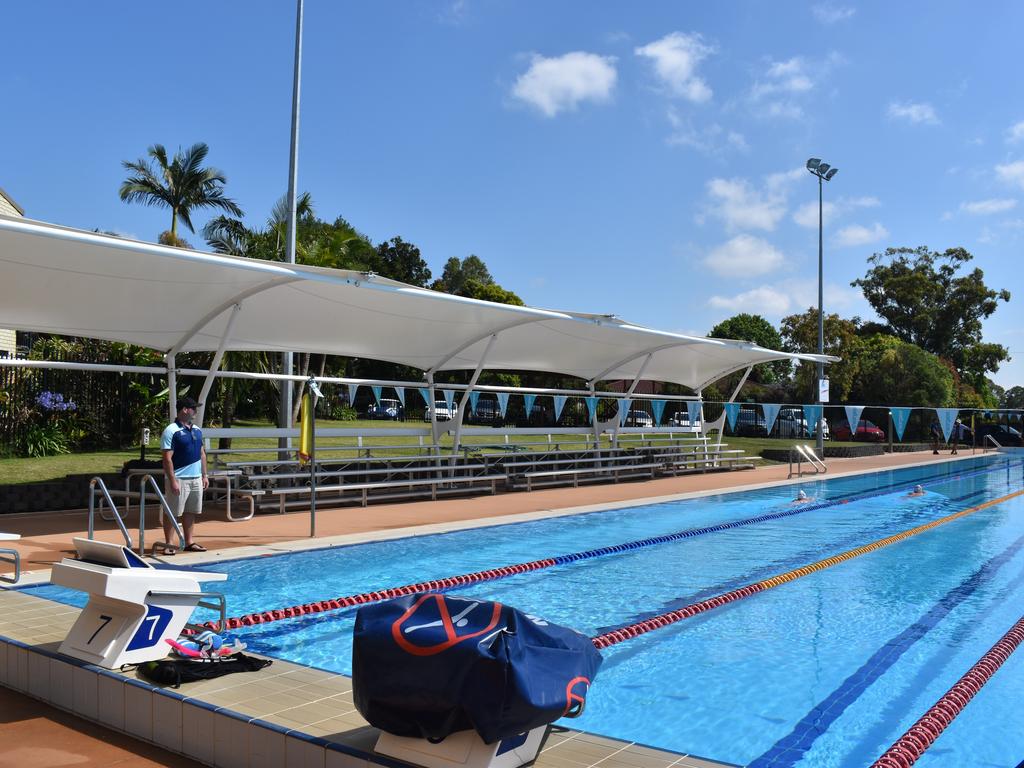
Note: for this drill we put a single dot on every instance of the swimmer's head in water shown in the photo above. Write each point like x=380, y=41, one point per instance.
x=918, y=489
x=801, y=496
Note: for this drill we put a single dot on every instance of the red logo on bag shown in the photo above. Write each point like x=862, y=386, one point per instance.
x=428, y=627
x=576, y=700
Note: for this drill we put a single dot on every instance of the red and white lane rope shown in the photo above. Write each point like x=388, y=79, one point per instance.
x=922, y=734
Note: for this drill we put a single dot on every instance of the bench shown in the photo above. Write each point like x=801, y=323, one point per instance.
x=464, y=483
x=617, y=470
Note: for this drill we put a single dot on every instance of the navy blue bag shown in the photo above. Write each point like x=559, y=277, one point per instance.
x=429, y=665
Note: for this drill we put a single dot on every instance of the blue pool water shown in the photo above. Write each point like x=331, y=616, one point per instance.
x=825, y=671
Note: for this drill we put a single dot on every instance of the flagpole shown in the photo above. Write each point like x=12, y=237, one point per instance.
x=314, y=395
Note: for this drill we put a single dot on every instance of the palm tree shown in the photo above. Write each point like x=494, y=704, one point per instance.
x=181, y=185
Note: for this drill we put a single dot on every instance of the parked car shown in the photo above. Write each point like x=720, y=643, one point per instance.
x=444, y=413
x=486, y=412
x=385, y=409
x=682, y=419
x=1003, y=434
x=865, y=431
x=639, y=419
x=750, y=424
x=792, y=424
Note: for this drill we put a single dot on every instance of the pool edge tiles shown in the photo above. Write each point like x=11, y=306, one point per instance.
x=286, y=714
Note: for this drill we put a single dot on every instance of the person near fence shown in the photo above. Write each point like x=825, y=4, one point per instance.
x=185, y=479
x=936, y=430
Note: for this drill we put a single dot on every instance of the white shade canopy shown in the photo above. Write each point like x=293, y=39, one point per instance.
x=66, y=281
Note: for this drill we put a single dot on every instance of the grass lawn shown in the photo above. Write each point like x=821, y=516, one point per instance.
x=55, y=467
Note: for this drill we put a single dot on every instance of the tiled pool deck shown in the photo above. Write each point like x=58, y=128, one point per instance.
x=288, y=714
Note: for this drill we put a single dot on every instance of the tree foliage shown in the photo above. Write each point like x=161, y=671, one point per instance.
x=754, y=328
x=470, y=277
x=890, y=371
x=925, y=300
x=800, y=334
x=401, y=261
x=181, y=184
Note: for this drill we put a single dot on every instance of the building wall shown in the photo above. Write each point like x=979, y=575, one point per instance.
x=8, y=208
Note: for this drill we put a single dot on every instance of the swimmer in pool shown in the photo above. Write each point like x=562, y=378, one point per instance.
x=801, y=498
x=918, y=491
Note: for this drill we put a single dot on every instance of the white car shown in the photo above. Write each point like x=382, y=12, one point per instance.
x=791, y=423
x=639, y=419
x=444, y=413
x=682, y=419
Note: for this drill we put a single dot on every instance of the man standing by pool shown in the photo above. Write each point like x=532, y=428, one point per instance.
x=184, y=474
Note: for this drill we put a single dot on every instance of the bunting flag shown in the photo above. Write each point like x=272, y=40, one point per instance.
x=449, y=398
x=306, y=431
x=947, y=416
x=503, y=403
x=658, y=407
x=732, y=410
x=591, y=407
x=624, y=409
x=988, y=414
x=474, y=396
x=853, y=413
x=352, y=389
x=376, y=392
x=559, y=405
x=900, y=417
x=528, y=401
x=400, y=394
x=771, y=413
x=812, y=415
x=693, y=411
x=425, y=394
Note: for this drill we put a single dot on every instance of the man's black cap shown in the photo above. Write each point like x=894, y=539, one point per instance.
x=186, y=402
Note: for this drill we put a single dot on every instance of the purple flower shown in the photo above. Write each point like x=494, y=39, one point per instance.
x=54, y=402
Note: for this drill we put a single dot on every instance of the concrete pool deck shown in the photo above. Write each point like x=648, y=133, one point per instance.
x=286, y=714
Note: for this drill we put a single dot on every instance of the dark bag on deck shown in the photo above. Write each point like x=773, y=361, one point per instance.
x=429, y=665
x=174, y=672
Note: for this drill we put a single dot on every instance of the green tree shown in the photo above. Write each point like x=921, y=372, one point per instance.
x=754, y=328
x=181, y=184
x=1012, y=398
x=925, y=300
x=800, y=334
x=401, y=261
x=893, y=372
x=457, y=273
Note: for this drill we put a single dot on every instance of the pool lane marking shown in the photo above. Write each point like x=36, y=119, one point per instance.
x=491, y=574
x=792, y=747
x=922, y=734
x=630, y=631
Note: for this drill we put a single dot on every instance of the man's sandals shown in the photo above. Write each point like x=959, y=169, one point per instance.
x=167, y=550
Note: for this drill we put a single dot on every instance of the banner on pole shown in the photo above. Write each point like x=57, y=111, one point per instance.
x=658, y=407
x=503, y=403
x=732, y=410
x=947, y=417
x=771, y=413
x=559, y=405
x=853, y=413
x=900, y=417
x=306, y=430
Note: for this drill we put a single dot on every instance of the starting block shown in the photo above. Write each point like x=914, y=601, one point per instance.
x=133, y=607
x=465, y=749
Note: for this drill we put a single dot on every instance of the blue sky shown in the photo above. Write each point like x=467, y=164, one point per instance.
x=644, y=160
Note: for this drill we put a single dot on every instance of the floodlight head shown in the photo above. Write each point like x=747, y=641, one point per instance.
x=823, y=169
x=813, y=163
x=832, y=172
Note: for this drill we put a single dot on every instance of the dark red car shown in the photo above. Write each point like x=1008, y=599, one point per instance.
x=865, y=431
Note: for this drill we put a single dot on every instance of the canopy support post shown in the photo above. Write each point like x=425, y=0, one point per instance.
x=172, y=385
x=720, y=421
x=632, y=388
x=461, y=408
x=215, y=365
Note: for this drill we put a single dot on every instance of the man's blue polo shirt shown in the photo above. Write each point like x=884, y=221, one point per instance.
x=186, y=446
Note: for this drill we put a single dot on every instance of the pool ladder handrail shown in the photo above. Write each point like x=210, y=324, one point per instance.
x=221, y=606
x=804, y=453
x=96, y=485
x=14, y=557
x=991, y=439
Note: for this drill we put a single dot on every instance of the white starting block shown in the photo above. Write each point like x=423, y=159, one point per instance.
x=465, y=749
x=133, y=607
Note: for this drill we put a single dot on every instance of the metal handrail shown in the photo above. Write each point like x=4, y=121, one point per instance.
x=803, y=453
x=165, y=507
x=992, y=440
x=813, y=458
x=221, y=606
x=15, y=558
x=98, y=481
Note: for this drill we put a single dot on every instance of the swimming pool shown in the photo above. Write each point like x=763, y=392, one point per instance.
x=825, y=671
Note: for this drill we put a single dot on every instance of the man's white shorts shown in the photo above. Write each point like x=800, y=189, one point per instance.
x=189, y=500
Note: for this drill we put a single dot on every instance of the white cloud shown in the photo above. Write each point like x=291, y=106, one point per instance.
x=761, y=301
x=777, y=89
x=829, y=13
x=561, y=83
x=1012, y=173
x=744, y=255
x=675, y=58
x=1015, y=133
x=855, y=234
x=742, y=207
x=712, y=140
x=988, y=207
x=914, y=113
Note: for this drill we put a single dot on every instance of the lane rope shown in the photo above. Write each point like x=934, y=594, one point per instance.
x=492, y=574
x=922, y=734
x=630, y=631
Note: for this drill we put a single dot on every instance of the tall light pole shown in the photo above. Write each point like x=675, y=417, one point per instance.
x=824, y=172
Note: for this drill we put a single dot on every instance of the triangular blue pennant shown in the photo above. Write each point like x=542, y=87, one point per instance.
x=658, y=408
x=853, y=413
x=947, y=417
x=732, y=410
x=624, y=409
x=812, y=415
x=352, y=389
x=376, y=392
x=771, y=413
x=474, y=396
x=425, y=394
x=400, y=393
x=693, y=411
x=503, y=403
x=449, y=398
x=900, y=417
x=528, y=401
x=559, y=405
x=591, y=406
